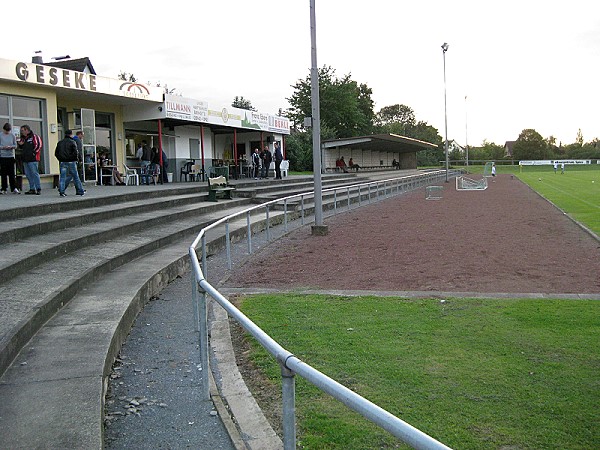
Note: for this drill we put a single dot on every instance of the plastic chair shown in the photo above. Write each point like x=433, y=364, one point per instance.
x=185, y=170
x=132, y=178
x=196, y=173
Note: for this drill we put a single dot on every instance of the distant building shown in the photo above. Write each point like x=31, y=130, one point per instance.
x=508, y=148
x=454, y=146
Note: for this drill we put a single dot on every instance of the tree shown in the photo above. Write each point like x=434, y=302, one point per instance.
x=579, y=139
x=242, y=103
x=346, y=107
x=531, y=145
x=125, y=76
x=397, y=119
x=299, y=149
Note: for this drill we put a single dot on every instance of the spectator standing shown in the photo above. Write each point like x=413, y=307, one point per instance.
x=155, y=166
x=66, y=153
x=30, y=145
x=255, y=163
x=555, y=166
x=78, y=138
x=165, y=166
x=8, y=144
x=145, y=161
x=562, y=168
x=266, y=162
x=278, y=158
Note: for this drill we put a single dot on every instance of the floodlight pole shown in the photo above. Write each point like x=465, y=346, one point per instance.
x=466, y=136
x=316, y=124
x=444, y=50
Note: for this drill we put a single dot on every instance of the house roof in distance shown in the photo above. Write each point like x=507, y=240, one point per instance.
x=381, y=142
x=78, y=65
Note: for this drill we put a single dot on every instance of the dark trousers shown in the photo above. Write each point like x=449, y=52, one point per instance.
x=277, y=170
x=7, y=170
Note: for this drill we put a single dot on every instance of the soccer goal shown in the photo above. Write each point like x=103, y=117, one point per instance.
x=487, y=170
x=434, y=192
x=468, y=184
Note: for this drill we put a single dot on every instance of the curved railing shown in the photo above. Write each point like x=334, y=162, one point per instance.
x=296, y=207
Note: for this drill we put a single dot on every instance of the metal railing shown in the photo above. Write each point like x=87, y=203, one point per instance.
x=296, y=208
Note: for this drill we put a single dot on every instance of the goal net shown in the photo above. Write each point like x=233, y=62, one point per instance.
x=468, y=184
x=487, y=170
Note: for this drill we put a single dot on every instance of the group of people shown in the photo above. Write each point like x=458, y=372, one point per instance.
x=29, y=145
x=340, y=165
x=562, y=167
x=150, y=159
x=261, y=161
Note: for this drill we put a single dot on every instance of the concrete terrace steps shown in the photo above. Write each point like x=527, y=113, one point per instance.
x=36, y=294
x=39, y=206
x=273, y=190
x=27, y=226
x=87, y=228
x=53, y=395
x=68, y=314
x=59, y=376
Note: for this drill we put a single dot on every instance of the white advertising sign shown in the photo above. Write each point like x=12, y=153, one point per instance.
x=549, y=162
x=200, y=111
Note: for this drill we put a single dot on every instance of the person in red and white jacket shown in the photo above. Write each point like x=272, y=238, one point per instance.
x=30, y=145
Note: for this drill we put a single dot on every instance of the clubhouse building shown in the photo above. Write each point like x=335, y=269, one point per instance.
x=117, y=115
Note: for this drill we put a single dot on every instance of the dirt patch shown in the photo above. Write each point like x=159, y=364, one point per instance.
x=504, y=239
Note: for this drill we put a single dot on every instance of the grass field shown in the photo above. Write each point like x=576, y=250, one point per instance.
x=518, y=374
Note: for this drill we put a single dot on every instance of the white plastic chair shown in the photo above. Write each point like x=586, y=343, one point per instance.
x=131, y=175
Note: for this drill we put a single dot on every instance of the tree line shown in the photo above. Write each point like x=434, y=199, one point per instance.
x=347, y=110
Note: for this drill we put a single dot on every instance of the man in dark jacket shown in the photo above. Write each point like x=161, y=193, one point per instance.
x=278, y=159
x=67, y=154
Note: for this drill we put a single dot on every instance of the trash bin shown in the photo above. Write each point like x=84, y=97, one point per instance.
x=170, y=177
x=222, y=171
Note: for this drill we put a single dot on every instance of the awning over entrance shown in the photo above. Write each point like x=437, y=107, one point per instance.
x=380, y=143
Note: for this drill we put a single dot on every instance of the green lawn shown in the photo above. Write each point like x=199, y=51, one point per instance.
x=576, y=192
x=472, y=373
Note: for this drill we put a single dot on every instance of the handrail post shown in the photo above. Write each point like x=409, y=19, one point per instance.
x=228, y=245
x=288, y=386
x=267, y=222
x=195, y=301
x=285, y=219
x=249, y=233
x=348, y=194
x=302, y=207
x=334, y=200
x=203, y=340
x=204, y=266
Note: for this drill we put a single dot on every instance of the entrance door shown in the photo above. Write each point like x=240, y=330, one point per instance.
x=88, y=126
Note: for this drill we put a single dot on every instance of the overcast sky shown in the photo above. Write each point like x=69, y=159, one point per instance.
x=520, y=64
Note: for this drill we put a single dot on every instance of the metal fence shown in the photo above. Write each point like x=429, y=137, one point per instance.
x=280, y=212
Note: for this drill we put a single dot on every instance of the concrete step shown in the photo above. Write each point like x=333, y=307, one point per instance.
x=58, y=380
x=33, y=295
x=45, y=205
x=87, y=227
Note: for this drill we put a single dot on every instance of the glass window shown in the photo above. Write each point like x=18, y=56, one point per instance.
x=3, y=105
x=103, y=120
x=104, y=143
x=27, y=107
